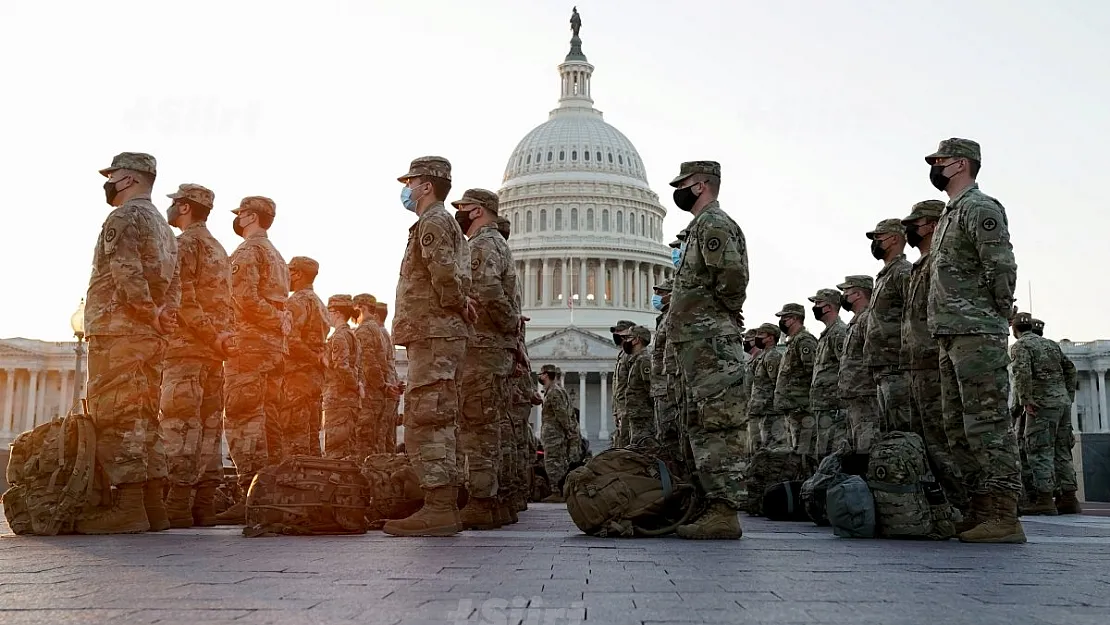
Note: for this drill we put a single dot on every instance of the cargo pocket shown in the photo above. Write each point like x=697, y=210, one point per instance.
x=243, y=396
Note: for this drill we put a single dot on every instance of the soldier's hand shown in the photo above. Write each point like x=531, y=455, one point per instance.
x=471, y=310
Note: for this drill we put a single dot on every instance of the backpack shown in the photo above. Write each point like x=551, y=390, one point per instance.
x=622, y=492
x=851, y=509
x=815, y=489
x=392, y=487
x=307, y=495
x=783, y=502
x=898, y=475
x=770, y=467
x=52, y=472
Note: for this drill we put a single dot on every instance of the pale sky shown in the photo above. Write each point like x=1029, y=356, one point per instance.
x=820, y=113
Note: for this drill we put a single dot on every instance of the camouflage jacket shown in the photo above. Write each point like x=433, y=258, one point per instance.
x=856, y=379
x=341, y=375
x=493, y=288
x=711, y=283
x=205, y=295
x=134, y=272
x=792, y=385
x=310, y=331
x=390, y=357
x=259, y=288
x=919, y=348
x=971, y=285
x=558, y=414
x=883, y=343
x=372, y=360
x=823, y=394
x=620, y=382
x=1043, y=375
x=434, y=281
x=767, y=365
x=638, y=400
x=659, y=380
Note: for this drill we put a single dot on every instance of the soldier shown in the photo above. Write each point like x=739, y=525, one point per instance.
x=1044, y=387
x=562, y=444
x=130, y=309
x=373, y=375
x=193, y=380
x=795, y=375
x=705, y=323
x=489, y=361
x=252, y=376
x=304, y=366
x=662, y=378
x=676, y=249
x=639, y=411
x=761, y=402
x=341, y=381
x=394, y=385
x=824, y=402
x=754, y=441
x=524, y=398
x=432, y=321
x=883, y=331
x=856, y=385
x=971, y=297
x=619, y=437
x=945, y=443
x=511, y=490
x=1038, y=327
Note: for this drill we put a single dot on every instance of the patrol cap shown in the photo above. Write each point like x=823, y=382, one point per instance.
x=195, y=193
x=956, y=148
x=431, y=166
x=859, y=282
x=504, y=226
x=930, y=209
x=681, y=236
x=481, y=197
x=1023, y=318
x=621, y=326
x=676, y=244
x=689, y=168
x=551, y=369
x=258, y=204
x=135, y=161
x=792, y=309
x=641, y=333
x=1038, y=324
x=769, y=328
x=341, y=302
x=304, y=264
x=666, y=286
x=888, y=226
x=365, y=300
x=382, y=306
x=829, y=296
x=749, y=334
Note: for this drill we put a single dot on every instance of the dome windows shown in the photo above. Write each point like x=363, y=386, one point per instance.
x=528, y=222
x=574, y=155
x=610, y=158
x=620, y=222
x=598, y=157
x=529, y=159
x=548, y=156
x=605, y=220
x=574, y=219
x=590, y=219
x=543, y=219
x=620, y=159
x=562, y=156
x=586, y=155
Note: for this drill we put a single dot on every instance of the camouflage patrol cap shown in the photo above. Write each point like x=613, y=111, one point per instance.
x=551, y=369
x=640, y=332
x=750, y=333
x=681, y=236
x=859, y=282
x=1022, y=318
x=888, y=226
x=676, y=244
x=829, y=296
x=792, y=309
x=956, y=148
x=365, y=300
x=929, y=209
x=135, y=161
x=304, y=264
x=1038, y=324
x=480, y=197
x=382, y=306
x=431, y=166
x=621, y=326
x=666, y=286
x=258, y=204
x=341, y=302
x=195, y=194
x=769, y=328
x=689, y=168
x=504, y=226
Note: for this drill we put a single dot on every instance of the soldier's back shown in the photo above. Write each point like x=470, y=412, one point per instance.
x=259, y=290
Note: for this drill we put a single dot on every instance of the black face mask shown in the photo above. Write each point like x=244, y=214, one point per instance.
x=618, y=340
x=110, y=192
x=846, y=305
x=937, y=177
x=818, y=312
x=684, y=198
x=749, y=347
x=877, y=249
x=465, y=220
x=760, y=343
x=627, y=347
x=236, y=227
x=913, y=237
x=783, y=326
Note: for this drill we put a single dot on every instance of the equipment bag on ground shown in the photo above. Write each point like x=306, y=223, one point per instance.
x=783, y=502
x=908, y=503
x=769, y=467
x=815, y=489
x=392, y=486
x=851, y=509
x=307, y=495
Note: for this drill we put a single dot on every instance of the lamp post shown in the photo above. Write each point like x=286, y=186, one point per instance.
x=77, y=322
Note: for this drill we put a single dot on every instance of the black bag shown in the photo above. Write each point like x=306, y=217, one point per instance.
x=783, y=502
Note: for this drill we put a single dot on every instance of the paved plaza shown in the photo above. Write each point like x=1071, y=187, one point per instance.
x=542, y=571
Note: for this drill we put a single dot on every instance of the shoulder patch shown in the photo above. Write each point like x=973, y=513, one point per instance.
x=806, y=350
x=427, y=239
x=988, y=224
x=110, y=235
x=234, y=268
x=474, y=264
x=713, y=244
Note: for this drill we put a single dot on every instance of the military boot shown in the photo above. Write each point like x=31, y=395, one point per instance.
x=718, y=522
x=1043, y=504
x=480, y=513
x=126, y=516
x=237, y=513
x=1002, y=527
x=509, y=508
x=436, y=518
x=153, y=491
x=979, y=511
x=1068, y=503
x=520, y=502
x=177, y=506
x=553, y=498
x=204, y=504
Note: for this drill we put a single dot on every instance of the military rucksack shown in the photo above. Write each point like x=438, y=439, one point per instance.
x=52, y=473
x=392, y=487
x=898, y=475
x=783, y=502
x=769, y=467
x=622, y=492
x=815, y=489
x=851, y=508
x=307, y=495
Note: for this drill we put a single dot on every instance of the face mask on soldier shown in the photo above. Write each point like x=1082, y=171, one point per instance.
x=235, y=225
x=111, y=190
x=877, y=249
x=937, y=177
x=657, y=302
x=845, y=304
x=618, y=340
x=818, y=312
x=628, y=346
x=685, y=198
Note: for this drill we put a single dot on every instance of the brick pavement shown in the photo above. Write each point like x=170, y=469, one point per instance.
x=543, y=572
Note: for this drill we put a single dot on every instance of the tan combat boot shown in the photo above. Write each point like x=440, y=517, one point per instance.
x=1068, y=503
x=1002, y=527
x=237, y=513
x=126, y=516
x=153, y=491
x=204, y=504
x=553, y=498
x=177, y=506
x=520, y=502
x=718, y=522
x=979, y=511
x=1043, y=504
x=480, y=513
x=436, y=518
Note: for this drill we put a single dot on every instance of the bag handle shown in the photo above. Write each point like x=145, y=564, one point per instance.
x=693, y=503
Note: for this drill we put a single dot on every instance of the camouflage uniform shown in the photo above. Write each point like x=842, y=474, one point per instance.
x=639, y=409
x=792, y=386
x=619, y=437
x=710, y=288
x=662, y=384
x=304, y=367
x=252, y=377
x=824, y=399
x=373, y=375
x=390, y=406
x=883, y=336
x=524, y=397
x=562, y=444
x=755, y=441
x=430, y=322
x=856, y=385
x=192, y=382
x=341, y=385
x=761, y=402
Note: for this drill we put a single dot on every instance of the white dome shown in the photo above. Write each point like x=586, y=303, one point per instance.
x=575, y=141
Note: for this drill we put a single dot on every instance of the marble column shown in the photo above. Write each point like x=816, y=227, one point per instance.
x=41, y=408
x=602, y=282
x=583, y=284
x=618, y=297
x=564, y=280
x=9, y=399
x=603, y=434
x=29, y=407
x=1103, y=418
x=545, y=283
x=582, y=403
x=529, y=284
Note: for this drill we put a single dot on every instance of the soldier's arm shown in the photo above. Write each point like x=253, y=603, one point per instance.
x=191, y=313
x=438, y=248
x=372, y=359
x=779, y=400
x=486, y=268
x=122, y=245
x=339, y=356
x=808, y=354
x=726, y=254
x=173, y=289
x=298, y=349
x=1070, y=378
x=987, y=228
x=245, y=277
x=1022, y=366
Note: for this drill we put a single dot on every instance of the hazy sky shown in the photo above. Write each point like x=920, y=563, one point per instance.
x=820, y=113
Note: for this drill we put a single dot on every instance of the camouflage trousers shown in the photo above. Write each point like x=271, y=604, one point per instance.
x=641, y=423
x=506, y=466
x=620, y=436
x=340, y=440
x=773, y=433
x=1048, y=442
x=369, y=433
x=303, y=391
x=485, y=402
x=942, y=443
x=892, y=391
x=715, y=428
x=522, y=448
x=667, y=420
x=561, y=448
x=192, y=407
x=432, y=409
x=975, y=388
x=863, y=421
x=125, y=373
x=387, y=424
x=252, y=401
x=802, y=430
x=832, y=431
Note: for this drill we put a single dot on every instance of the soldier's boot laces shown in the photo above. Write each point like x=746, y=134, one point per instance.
x=1068, y=503
x=204, y=504
x=438, y=517
x=1003, y=527
x=126, y=516
x=153, y=492
x=177, y=506
x=718, y=522
x=480, y=513
x=1043, y=504
x=979, y=511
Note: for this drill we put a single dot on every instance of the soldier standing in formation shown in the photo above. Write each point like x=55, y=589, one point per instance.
x=639, y=409
x=883, y=332
x=755, y=441
x=792, y=385
x=663, y=381
x=562, y=443
x=341, y=380
x=761, y=400
x=856, y=385
x=193, y=378
x=373, y=377
x=824, y=399
x=393, y=383
x=304, y=366
x=620, y=382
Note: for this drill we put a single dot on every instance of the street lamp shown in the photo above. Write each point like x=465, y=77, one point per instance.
x=77, y=322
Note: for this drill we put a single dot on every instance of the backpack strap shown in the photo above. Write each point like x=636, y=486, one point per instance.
x=899, y=489
x=664, y=478
x=789, y=498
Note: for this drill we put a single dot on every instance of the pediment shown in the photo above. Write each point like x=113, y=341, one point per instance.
x=571, y=343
